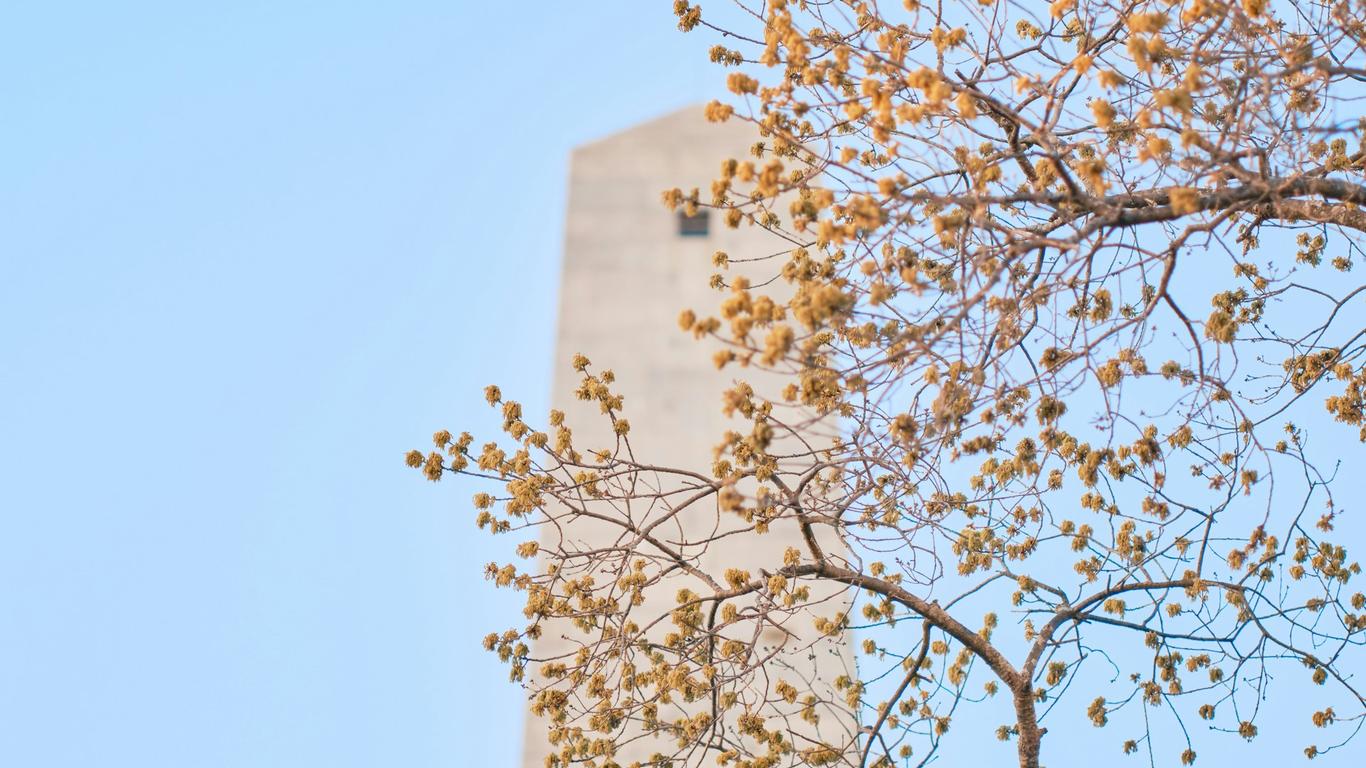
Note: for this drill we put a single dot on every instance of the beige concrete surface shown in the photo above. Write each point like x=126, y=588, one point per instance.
x=626, y=275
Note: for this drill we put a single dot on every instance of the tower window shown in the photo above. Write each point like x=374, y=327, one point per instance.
x=694, y=225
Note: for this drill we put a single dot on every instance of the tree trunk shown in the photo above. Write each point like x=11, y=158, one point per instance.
x=1028, y=726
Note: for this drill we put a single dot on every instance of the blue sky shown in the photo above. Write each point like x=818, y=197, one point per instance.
x=252, y=253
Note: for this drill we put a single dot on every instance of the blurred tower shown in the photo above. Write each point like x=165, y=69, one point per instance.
x=630, y=266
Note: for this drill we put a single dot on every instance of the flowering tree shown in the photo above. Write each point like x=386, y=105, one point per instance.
x=1068, y=286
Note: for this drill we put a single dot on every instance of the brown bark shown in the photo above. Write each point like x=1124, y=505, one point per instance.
x=1026, y=722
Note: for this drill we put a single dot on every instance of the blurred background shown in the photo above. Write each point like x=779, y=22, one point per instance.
x=253, y=253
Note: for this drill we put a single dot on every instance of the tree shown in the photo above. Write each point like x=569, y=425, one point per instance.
x=1071, y=281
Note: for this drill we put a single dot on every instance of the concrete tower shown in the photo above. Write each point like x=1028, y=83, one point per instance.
x=630, y=267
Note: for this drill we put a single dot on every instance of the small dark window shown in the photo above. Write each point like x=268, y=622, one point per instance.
x=694, y=225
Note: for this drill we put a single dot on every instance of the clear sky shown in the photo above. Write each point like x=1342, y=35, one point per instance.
x=252, y=253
